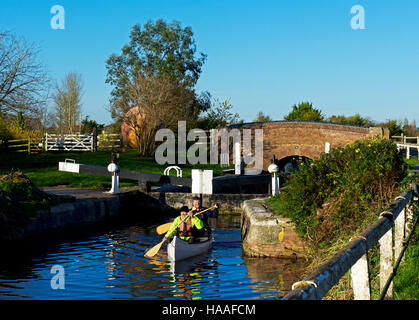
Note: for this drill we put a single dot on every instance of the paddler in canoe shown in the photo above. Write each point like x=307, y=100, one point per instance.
x=187, y=226
x=212, y=213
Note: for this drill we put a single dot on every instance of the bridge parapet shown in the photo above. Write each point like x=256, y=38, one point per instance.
x=305, y=138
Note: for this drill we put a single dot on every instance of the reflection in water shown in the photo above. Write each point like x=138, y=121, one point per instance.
x=112, y=265
x=270, y=275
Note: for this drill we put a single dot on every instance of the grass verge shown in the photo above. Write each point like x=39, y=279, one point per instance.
x=42, y=168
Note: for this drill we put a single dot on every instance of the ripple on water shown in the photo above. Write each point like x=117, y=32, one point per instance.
x=112, y=266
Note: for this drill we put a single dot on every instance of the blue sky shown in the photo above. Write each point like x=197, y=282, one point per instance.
x=264, y=55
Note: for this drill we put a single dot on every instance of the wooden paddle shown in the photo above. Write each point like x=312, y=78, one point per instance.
x=153, y=251
x=165, y=227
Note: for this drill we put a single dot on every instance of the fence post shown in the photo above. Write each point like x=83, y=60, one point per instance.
x=399, y=233
x=386, y=261
x=29, y=145
x=409, y=218
x=94, y=141
x=360, y=275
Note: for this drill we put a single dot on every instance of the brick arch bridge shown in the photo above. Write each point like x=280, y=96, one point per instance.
x=286, y=139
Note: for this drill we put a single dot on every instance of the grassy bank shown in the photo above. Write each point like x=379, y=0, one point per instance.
x=338, y=196
x=406, y=282
x=42, y=168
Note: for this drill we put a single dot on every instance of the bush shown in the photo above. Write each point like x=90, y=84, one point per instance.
x=21, y=192
x=10, y=130
x=343, y=190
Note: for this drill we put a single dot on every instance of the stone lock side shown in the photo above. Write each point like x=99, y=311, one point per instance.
x=267, y=235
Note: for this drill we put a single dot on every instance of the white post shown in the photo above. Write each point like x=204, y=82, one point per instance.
x=275, y=184
x=197, y=181
x=237, y=159
x=408, y=153
x=360, y=275
x=202, y=181
x=399, y=234
x=115, y=183
x=409, y=218
x=327, y=147
x=386, y=261
x=207, y=181
x=273, y=169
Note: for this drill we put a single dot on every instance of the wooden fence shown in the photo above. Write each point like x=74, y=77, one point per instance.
x=63, y=142
x=80, y=142
x=109, y=141
x=29, y=145
x=354, y=256
x=69, y=142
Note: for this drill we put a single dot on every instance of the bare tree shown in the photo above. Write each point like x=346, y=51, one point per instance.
x=67, y=99
x=23, y=81
x=155, y=102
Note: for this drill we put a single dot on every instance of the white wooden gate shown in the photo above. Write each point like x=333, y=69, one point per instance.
x=69, y=142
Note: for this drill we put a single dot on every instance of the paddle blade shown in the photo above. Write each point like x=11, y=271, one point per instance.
x=164, y=228
x=153, y=251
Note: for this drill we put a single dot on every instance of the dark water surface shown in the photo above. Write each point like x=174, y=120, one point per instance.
x=111, y=265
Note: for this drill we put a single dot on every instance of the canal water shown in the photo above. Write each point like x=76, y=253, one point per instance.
x=111, y=265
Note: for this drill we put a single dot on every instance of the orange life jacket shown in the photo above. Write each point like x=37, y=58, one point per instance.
x=185, y=228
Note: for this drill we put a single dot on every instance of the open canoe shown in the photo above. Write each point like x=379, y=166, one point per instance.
x=179, y=249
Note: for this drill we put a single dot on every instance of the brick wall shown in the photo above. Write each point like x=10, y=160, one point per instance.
x=301, y=138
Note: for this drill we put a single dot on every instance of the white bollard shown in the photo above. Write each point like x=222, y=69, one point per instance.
x=273, y=169
x=113, y=168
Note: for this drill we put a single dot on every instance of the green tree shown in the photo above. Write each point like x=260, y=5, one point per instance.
x=20, y=121
x=219, y=115
x=395, y=127
x=87, y=126
x=356, y=120
x=156, y=49
x=304, y=111
x=262, y=118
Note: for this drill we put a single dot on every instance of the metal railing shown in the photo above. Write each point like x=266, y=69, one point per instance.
x=405, y=139
x=407, y=143
x=354, y=256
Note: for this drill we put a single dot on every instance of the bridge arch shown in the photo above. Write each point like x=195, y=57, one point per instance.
x=291, y=163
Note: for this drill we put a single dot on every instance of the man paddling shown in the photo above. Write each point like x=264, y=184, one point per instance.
x=185, y=226
x=196, y=202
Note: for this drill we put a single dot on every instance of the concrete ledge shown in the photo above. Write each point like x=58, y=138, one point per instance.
x=229, y=203
x=267, y=235
x=83, y=212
